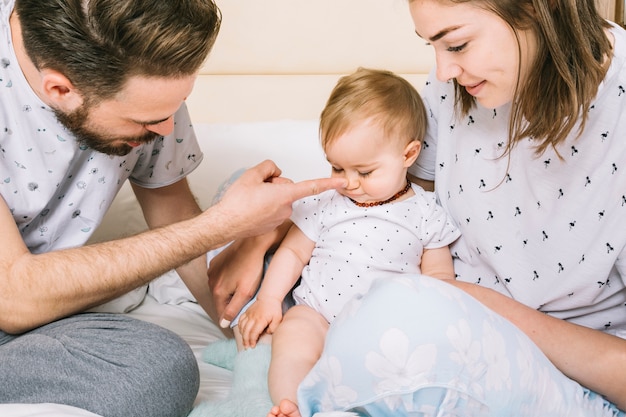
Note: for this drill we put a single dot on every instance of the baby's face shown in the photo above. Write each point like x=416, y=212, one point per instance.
x=374, y=165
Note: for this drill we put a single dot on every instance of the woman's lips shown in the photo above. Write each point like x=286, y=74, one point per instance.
x=475, y=88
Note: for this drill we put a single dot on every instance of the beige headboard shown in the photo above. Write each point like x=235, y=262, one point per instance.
x=279, y=59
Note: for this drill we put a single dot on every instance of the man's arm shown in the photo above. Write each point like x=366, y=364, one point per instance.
x=37, y=289
x=167, y=205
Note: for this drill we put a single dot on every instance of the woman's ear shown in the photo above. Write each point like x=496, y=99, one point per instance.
x=411, y=152
x=59, y=92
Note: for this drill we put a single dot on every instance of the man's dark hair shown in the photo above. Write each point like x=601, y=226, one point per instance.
x=99, y=44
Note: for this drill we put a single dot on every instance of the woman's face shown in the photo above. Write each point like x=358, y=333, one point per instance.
x=475, y=47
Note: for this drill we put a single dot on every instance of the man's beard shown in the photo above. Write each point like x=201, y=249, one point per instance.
x=76, y=123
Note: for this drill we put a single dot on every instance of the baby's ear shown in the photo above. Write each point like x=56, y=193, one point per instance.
x=411, y=152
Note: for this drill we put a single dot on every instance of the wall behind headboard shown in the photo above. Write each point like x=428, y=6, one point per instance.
x=279, y=59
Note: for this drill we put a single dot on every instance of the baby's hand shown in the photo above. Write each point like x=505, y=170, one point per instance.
x=263, y=315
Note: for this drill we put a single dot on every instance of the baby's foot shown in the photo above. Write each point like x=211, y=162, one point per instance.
x=286, y=408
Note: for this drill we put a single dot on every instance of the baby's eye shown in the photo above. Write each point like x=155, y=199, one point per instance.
x=365, y=174
x=457, y=48
x=337, y=170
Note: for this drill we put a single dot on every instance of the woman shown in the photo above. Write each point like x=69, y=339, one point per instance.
x=526, y=104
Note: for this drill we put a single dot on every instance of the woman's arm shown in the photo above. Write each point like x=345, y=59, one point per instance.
x=567, y=345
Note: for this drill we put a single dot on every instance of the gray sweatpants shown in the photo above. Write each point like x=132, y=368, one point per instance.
x=108, y=364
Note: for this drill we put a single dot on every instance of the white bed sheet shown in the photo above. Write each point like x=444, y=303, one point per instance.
x=42, y=410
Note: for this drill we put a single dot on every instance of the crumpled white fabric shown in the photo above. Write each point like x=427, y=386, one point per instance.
x=43, y=410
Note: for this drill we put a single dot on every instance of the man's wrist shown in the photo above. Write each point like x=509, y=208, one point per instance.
x=267, y=241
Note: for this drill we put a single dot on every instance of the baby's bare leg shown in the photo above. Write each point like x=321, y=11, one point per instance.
x=296, y=345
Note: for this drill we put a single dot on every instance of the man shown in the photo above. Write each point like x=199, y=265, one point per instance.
x=92, y=93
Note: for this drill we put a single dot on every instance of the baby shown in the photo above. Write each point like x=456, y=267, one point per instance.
x=341, y=241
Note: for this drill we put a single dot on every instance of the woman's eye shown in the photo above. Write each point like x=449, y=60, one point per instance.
x=457, y=48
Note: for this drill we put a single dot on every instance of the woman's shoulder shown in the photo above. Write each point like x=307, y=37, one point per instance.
x=618, y=60
x=619, y=33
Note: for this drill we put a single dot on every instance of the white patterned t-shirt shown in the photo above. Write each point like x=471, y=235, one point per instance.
x=56, y=190
x=548, y=230
x=356, y=245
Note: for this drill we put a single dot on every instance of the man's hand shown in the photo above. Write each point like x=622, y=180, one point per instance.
x=260, y=200
x=234, y=276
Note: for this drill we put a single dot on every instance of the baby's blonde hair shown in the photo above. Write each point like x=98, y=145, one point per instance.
x=370, y=93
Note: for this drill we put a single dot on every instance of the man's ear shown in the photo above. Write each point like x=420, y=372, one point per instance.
x=58, y=91
x=411, y=152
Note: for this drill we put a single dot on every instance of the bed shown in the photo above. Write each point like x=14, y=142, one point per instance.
x=259, y=96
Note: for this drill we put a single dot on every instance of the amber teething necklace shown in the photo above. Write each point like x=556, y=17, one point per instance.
x=394, y=197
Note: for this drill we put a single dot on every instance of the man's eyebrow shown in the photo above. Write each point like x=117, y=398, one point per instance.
x=151, y=122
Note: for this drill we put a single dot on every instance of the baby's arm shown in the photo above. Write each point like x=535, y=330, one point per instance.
x=282, y=273
x=437, y=263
